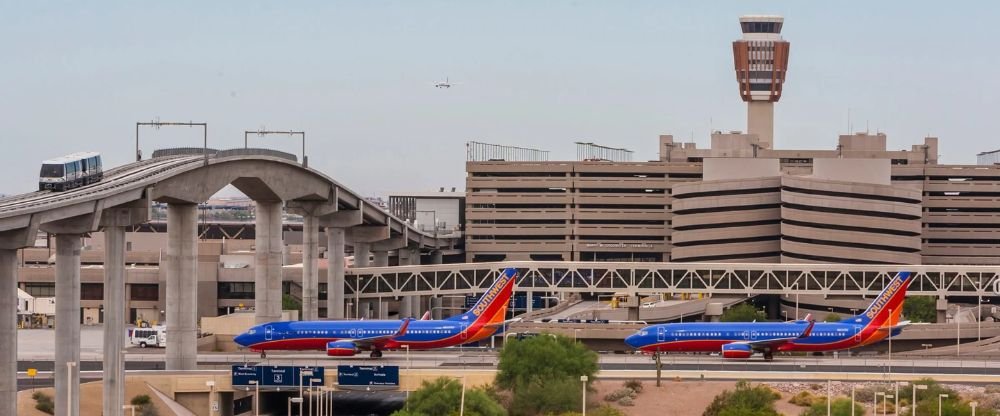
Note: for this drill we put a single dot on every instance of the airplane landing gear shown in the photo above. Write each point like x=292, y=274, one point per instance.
x=376, y=354
x=263, y=355
x=768, y=356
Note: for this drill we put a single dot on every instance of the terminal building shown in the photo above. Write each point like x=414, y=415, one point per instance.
x=743, y=199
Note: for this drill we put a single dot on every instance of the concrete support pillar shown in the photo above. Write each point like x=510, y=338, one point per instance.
x=436, y=311
x=361, y=253
x=528, y=306
x=182, y=287
x=713, y=312
x=267, y=274
x=405, y=307
x=67, y=364
x=335, y=273
x=8, y=332
x=437, y=257
x=418, y=306
x=415, y=257
x=633, y=308
x=381, y=258
x=310, y=269
x=942, y=310
x=382, y=309
x=114, y=319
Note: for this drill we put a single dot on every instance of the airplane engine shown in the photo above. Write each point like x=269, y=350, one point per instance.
x=341, y=349
x=736, y=351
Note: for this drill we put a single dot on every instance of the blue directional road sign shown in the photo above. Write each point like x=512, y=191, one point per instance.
x=367, y=375
x=275, y=376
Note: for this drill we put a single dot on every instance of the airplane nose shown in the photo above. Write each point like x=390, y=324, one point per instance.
x=633, y=340
x=242, y=339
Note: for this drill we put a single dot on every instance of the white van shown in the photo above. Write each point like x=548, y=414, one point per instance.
x=148, y=337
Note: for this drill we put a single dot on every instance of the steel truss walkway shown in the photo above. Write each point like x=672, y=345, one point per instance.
x=745, y=279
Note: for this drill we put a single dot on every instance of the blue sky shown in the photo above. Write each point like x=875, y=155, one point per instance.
x=358, y=78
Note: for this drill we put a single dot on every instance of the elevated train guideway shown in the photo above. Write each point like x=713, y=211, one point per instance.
x=183, y=178
x=742, y=279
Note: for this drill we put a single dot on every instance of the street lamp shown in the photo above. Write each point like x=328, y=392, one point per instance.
x=302, y=375
x=852, y=399
x=69, y=386
x=941, y=396
x=461, y=404
x=973, y=406
x=211, y=396
x=828, y=382
x=583, y=381
x=262, y=133
x=915, y=388
x=311, y=394
x=256, y=397
x=407, y=348
x=294, y=400
x=875, y=402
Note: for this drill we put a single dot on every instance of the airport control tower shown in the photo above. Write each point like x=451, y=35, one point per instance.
x=761, y=59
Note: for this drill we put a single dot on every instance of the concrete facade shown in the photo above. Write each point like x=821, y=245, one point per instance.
x=756, y=204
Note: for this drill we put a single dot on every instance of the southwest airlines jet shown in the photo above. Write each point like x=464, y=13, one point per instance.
x=742, y=339
x=347, y=338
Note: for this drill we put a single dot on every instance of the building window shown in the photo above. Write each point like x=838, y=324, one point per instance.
x=41, y=290
x=145, y=291
x=91, y=291
x=236, y=290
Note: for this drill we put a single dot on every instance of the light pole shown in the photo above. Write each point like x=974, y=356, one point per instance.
x=896, y=402
x=958, y=332
x=914, y=403
x=852, y=399
x=828, y=397
x=302, y=375
x=256, y=397
x=311, y=394
x=941, y=396
x=294, y=400
x=158, y=124
x=461, y=404
x=211, y=396
x=890, y=344
x=69, y=386
x=583, y=381
x=407, y=348
x=973, y=406
x=262, y=133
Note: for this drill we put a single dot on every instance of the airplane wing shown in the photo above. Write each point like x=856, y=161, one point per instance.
x=368, y=342
x=773, y=343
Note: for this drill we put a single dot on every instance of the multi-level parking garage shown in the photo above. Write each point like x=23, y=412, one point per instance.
x=741, y=202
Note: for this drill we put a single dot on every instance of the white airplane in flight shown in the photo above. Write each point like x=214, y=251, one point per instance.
x=444, y=84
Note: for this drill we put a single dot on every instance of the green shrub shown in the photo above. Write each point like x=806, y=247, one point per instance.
x=803, y=398
x=618, y=394
x=745, y=400
x=633, y=384
x=43, y=402
x=141, y=400
x=839, y=407
x=626, y=401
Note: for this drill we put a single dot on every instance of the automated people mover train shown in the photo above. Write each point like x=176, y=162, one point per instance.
x=70, y=171
x=742, y=339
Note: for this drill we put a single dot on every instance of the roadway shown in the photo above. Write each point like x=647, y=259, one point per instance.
x=485, y=359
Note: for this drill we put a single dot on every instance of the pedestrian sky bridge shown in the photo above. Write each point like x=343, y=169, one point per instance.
x=745, y=279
